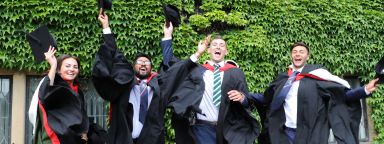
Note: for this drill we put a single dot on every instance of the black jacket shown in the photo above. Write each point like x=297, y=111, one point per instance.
x=184, y=83
x=321, y=105
x=113, y=77
x=65, y=110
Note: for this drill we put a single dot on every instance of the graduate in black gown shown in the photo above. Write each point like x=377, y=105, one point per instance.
x=61, y=115
x=301, y=105
x=204, y=111
x=136, y=106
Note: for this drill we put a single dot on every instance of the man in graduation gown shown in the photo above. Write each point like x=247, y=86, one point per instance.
x=302, y=105
x=199, y=116
x=137, y=108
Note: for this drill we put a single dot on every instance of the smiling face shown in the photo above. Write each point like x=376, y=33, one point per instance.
x=217, y=50
x=69, y=69
x=299, y=56
x=142, y=67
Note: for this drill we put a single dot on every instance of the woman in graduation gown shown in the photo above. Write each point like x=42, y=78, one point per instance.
x=61, y=115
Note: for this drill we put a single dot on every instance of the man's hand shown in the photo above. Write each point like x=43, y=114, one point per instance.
x=103, y=18
x=235, y=95
x=371, y=86
x=202, y=46
x=168, y=30
x=84, y=137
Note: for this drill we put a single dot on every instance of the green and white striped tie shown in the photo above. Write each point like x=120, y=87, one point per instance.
x=216, y=85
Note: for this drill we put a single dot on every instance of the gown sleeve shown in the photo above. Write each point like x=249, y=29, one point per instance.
x=111, y=73
x=63, y=107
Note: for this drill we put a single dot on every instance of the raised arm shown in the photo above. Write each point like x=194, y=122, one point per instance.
x=166, y=46
x=111, y=71
x=171, y=79
x=51, y=58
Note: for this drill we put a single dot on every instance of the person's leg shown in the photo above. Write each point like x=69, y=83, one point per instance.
x=291, y=133
x=182, y=130
x=204, y=134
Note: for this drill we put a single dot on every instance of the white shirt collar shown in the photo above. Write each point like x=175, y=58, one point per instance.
x=141, y=80
x=220, y=63
x=293, y=68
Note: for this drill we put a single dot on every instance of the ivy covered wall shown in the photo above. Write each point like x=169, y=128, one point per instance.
x=346, y=36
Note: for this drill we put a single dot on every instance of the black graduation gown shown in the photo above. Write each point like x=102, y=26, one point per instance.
x=184, y=83
x=65, y=110
x=321, y=106
x=113, y=78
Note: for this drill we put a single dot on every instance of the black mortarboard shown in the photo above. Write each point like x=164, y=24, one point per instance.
x=171, y=15
x=105, y=4
x=380, y=71
x=40, y=40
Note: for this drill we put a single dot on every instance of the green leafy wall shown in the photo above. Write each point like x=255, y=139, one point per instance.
x=347, y=36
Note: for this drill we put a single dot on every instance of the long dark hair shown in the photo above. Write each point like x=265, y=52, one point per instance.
x=60, y=60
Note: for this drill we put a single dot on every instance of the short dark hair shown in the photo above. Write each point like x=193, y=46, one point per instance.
x=300, y=44
x=218, y=37
x=139, y=55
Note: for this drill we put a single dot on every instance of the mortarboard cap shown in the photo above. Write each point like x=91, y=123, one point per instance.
x=171, y=15
x=40, y=40
x=380, y=71
x=105, y=4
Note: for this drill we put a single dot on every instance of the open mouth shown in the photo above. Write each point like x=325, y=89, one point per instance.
x=143, y=69
x=70, y=74
x=297, y=60
x=217, y=53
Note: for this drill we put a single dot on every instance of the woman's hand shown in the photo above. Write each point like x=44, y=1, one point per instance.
x=51, y=59
x=50, y=56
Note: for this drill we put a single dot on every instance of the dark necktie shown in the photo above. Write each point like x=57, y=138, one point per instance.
x=216, y=85
x=143, y=101
x=284, y=91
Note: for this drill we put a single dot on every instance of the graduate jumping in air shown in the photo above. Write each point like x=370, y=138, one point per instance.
x=137, y=106
x=209, y=101
x=301, y=105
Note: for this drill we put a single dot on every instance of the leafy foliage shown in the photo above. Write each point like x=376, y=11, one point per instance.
x=347, y=36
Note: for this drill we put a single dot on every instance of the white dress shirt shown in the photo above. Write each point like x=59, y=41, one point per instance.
x=290, y=104
x=210, y=111
x=134, y=99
